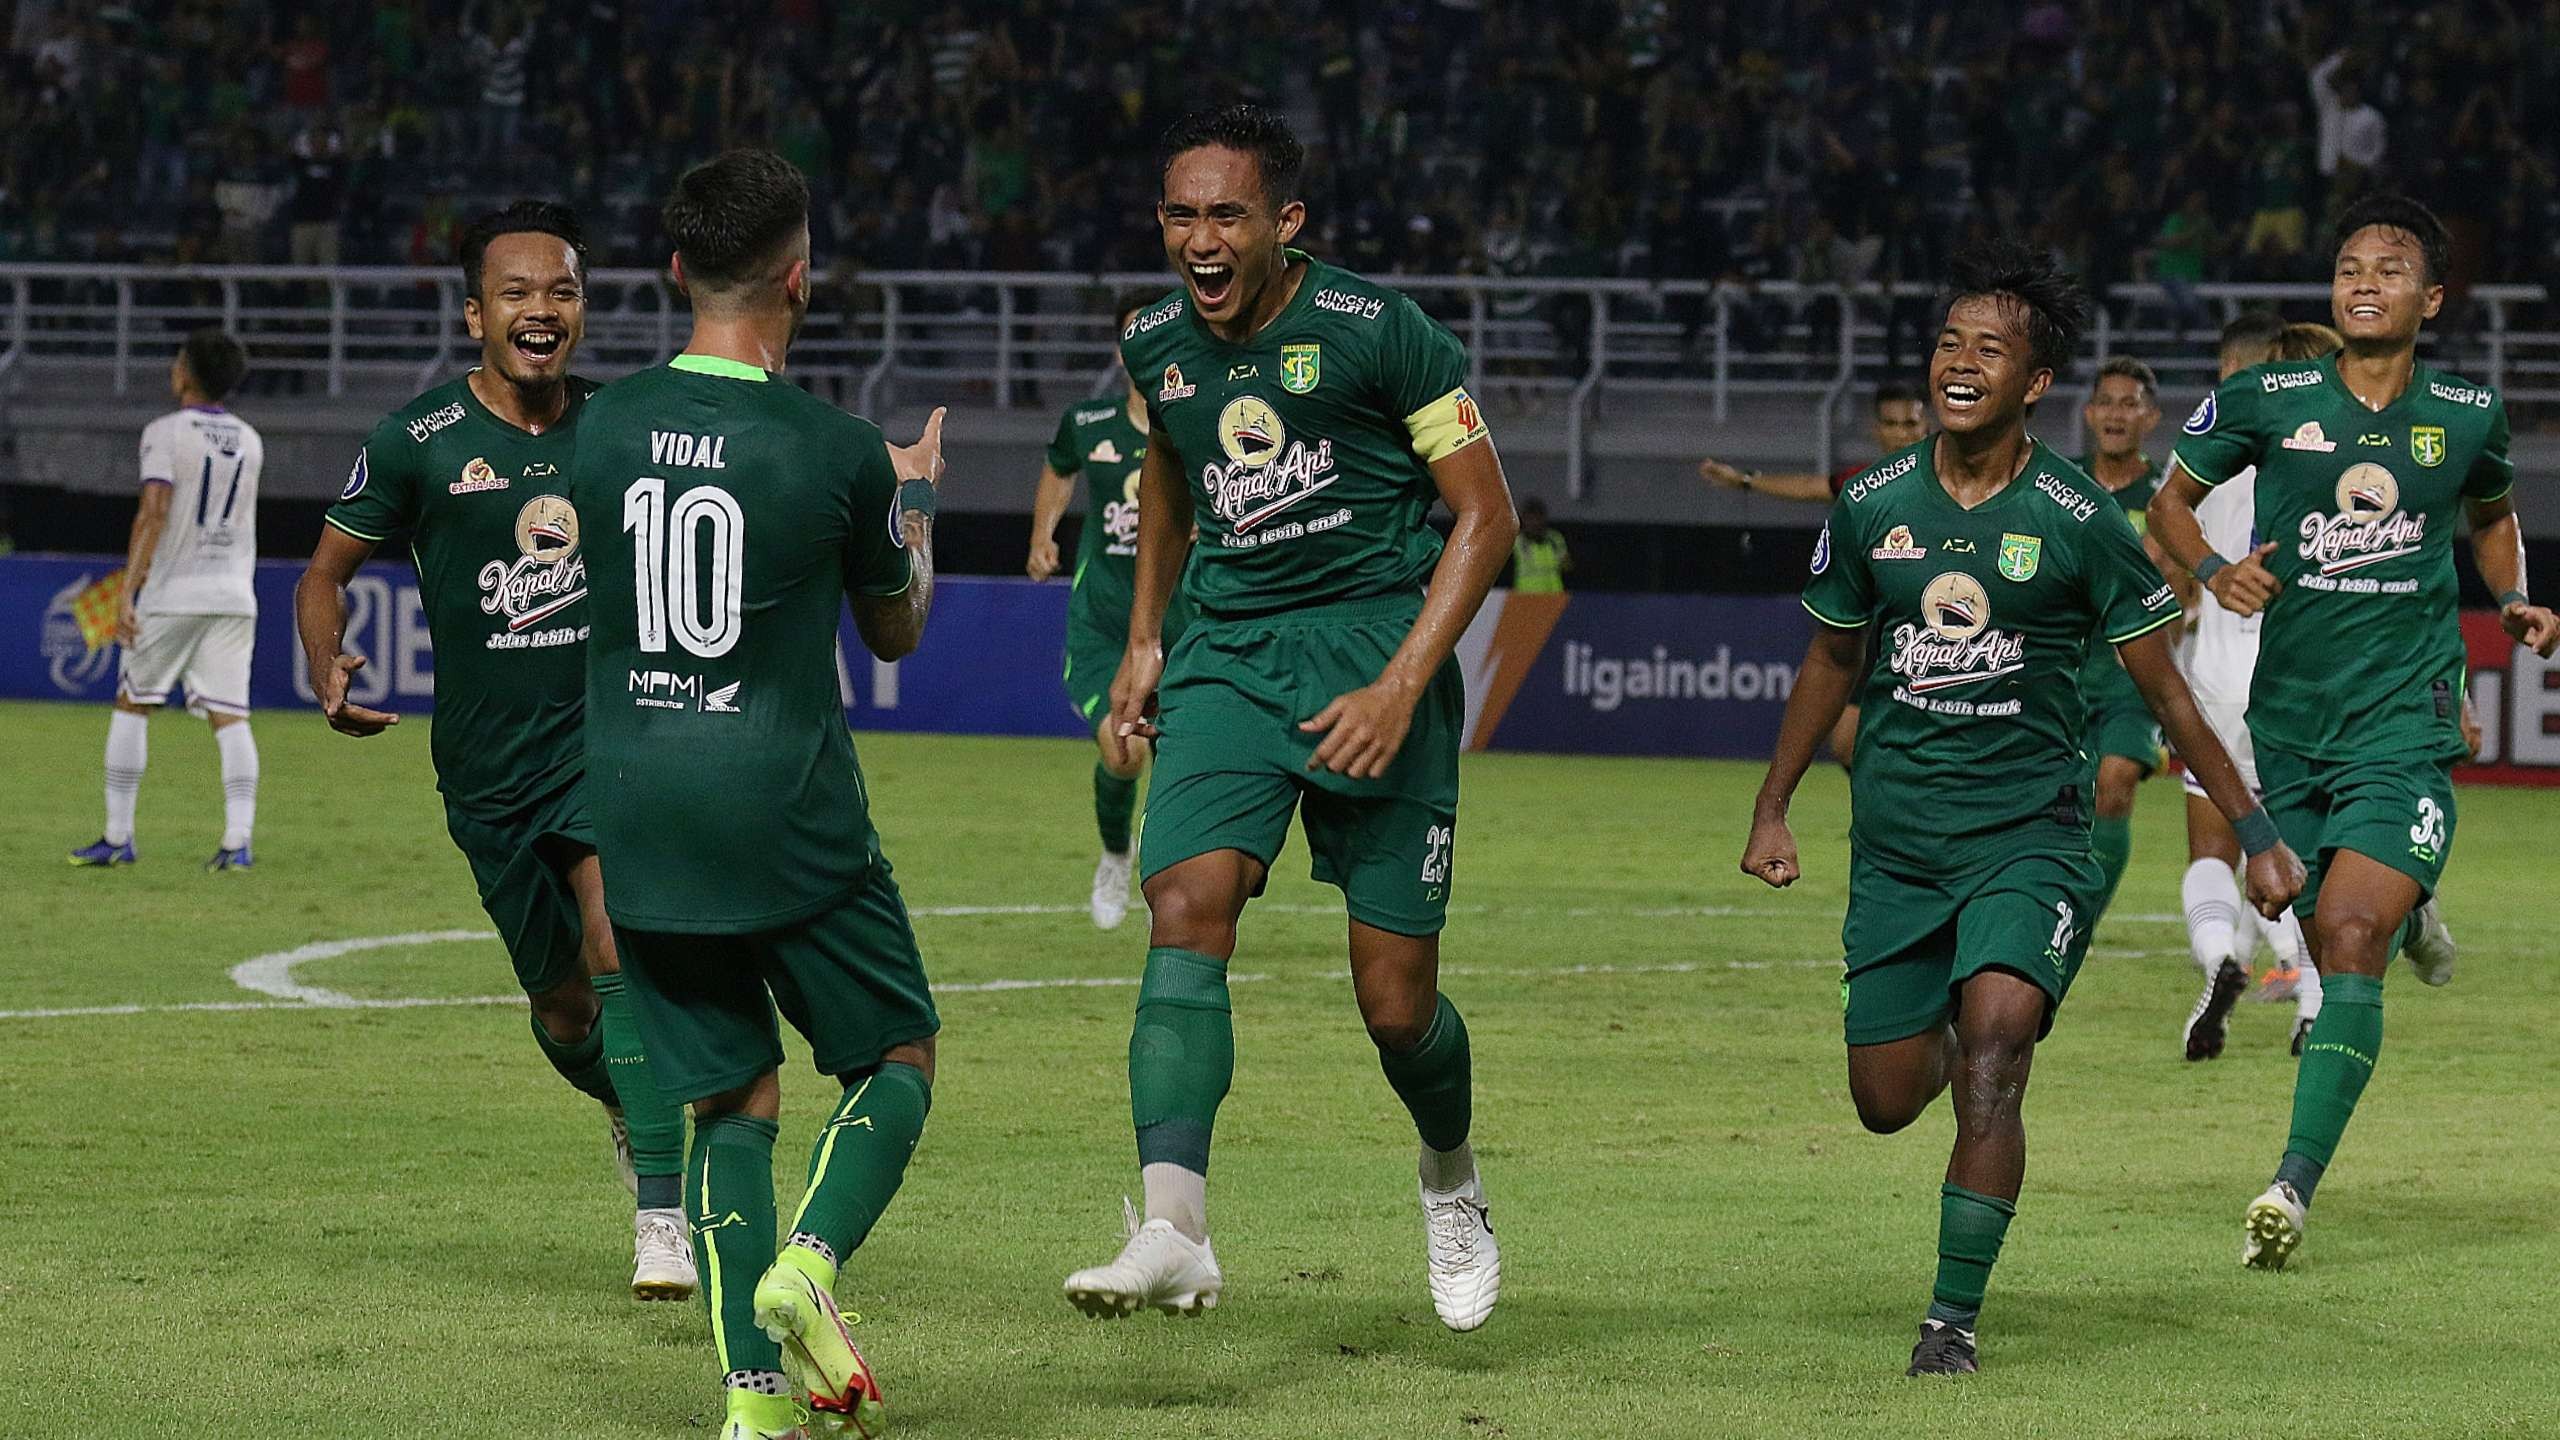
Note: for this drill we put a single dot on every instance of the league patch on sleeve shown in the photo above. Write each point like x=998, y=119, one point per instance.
x=356, y=479
x=1822, y=551
x=2201, y=422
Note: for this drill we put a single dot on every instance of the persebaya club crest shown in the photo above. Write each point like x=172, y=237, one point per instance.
x=2426, y=444
x=2019, y=556
x=1300, y=367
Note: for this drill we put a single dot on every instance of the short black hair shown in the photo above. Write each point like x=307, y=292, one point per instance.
x=2057, y=305
x=730, y=213
x=1893, y=392
x=1248, y=128
x=215, y=361
x=538, y=217
x=2399, y=212
x=2252, y=332
x=2133, y=370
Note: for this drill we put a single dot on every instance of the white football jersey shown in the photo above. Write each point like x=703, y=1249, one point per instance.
x=209, y=458
x=2224, y=650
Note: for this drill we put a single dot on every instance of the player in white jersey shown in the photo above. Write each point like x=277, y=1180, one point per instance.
x=188, y=612
x=2220, y=656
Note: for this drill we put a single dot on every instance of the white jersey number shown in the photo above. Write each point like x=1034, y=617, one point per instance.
x=682, y=584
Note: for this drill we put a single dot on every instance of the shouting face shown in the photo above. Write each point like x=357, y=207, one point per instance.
x=1224, y=234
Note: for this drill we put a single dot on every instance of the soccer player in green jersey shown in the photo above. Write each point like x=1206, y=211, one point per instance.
x=1990, y=560
x=2123, y=407
x=1305, y=419
x=735, y=514
x=474, y=473
x=2364, y=459
x=1105, y=442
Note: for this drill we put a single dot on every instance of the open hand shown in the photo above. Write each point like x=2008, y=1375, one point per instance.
x=1363, y=729
x=2532, y=626
x=346, y=717
x=923, y=459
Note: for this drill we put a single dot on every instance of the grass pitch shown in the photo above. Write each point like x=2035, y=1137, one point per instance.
x=397, y=1222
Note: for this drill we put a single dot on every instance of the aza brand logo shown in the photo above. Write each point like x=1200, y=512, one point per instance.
x=477, y=477
x=2368, y=526
x=1954, y=642
x=547, y=576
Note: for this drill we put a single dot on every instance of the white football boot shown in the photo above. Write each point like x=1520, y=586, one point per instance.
x=661, y=1256
x=1466, y=1264
x=1111, y=890
x=1159, y=1269
x=2431, y=950
x=2274, y=1226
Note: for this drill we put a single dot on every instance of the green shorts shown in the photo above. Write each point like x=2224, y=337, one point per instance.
x=2128, y=731
x=849, y=979
x=1097, y=637
x=1232, y=764
x=1912, y=941
x=520, y=860
x=2394, y=809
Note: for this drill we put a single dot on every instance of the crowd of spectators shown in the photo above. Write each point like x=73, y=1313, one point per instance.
x=1813, y=140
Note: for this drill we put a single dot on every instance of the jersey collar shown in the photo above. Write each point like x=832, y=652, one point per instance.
x=717, y=365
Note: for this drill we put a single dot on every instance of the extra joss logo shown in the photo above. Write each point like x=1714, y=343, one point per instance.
x=476, y=477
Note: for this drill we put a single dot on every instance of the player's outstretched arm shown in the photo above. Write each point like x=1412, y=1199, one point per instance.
x=2275, y=873
x=892, y=626
x=2244, y=586
x=1789, y=485
x=149, y=519
x=1823, y=687
x=320, y=615
x=2497, y=543
x=1365, y=728
x=1048, y=506
x=1164, y=543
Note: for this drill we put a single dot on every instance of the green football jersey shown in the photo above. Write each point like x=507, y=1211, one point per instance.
x=2103, y=681
x=2362, y=650
x=1309, y=447
x=737, y=512
x=1969, y=742
x=502, y=576
x=1101, y=443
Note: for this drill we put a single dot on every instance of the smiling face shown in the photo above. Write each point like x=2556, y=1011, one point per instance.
x=2380, y=291
x=531, y=310
x=1983, y=374
x=2119, y=416
x=1222, y=233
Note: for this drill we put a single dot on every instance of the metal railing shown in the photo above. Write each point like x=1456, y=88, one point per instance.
x=1589, y=348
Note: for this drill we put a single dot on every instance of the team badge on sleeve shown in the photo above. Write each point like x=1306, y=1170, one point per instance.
x=2201, y=422
x=355, y=479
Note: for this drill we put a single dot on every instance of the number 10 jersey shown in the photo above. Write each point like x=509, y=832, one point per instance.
x=727, y=516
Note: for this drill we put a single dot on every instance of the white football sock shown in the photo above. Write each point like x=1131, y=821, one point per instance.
x=2284, y=936
x=2212, y=898
x=128, y=751
x=1447, y=1170
x=1177, y=1193
x=2306, y=994
x=239, y=783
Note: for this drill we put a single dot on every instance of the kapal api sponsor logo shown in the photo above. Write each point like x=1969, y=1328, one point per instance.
x=1953, y=643
x=548, y=574
x=2368, y=526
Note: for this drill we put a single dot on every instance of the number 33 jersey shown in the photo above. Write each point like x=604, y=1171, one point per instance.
x=728, y=515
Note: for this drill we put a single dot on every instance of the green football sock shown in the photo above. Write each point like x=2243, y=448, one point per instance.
x=860, y=1158
x=2111, y=845
x=655, y=1123
x=728, y=1197
x=1182, y=1057
x=2338, y=1057
x=1971, y=1226
x=1114, y=801
x=581, y=1063
x=1435, y=1079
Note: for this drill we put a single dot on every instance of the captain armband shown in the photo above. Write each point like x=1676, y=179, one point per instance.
x=1445, y=426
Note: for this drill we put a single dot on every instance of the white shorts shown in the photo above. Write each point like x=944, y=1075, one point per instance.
x=208, y=654
x=2229, y=721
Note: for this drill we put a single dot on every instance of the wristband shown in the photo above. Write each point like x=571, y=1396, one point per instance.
x=918, y=495
x=2257, y=833
x=2511, y=597
x=2209, y=564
